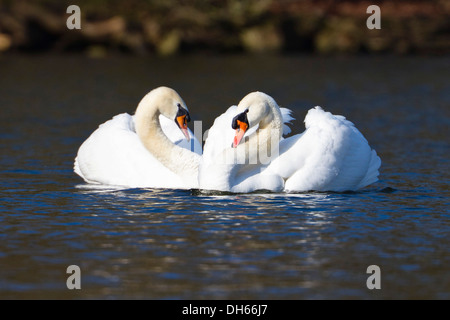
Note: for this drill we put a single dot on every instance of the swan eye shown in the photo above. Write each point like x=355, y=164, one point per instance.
x=179, y=105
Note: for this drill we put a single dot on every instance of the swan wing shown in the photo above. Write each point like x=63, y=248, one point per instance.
x=114, y=155
x=286, y=114
x=219, y=136
x=330, y=155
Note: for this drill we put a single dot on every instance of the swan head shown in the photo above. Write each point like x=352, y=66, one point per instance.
x=254, y=109
x=168, y=103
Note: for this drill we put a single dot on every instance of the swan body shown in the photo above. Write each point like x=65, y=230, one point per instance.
x=144, y=150
x=330, y=155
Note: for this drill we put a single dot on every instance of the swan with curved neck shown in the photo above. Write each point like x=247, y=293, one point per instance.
x=239, y=168
x=165, y=101
x=330, y=155
x=143, y=150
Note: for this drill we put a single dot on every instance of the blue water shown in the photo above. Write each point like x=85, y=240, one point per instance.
x=175, y=244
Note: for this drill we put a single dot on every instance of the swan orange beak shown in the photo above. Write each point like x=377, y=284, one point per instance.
x=240, y=131
x=182, y=123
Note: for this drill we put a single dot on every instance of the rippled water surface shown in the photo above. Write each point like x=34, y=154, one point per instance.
x=174, y=244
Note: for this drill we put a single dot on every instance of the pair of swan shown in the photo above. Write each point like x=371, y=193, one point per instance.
x=245, y=150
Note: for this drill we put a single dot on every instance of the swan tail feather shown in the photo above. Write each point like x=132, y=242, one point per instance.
x=76, y=168
x=372, y=171
x=287, y=119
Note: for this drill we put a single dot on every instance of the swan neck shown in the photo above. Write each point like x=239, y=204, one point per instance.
x=268, y=134
x=179, y=160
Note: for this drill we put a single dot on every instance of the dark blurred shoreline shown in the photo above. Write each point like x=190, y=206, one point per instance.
x=264, y=26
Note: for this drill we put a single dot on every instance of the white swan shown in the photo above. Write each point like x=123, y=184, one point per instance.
x=150, y=149
x=330, y=155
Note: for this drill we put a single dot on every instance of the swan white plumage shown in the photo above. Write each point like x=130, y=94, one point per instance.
x=154, y=148
x=330, y=155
